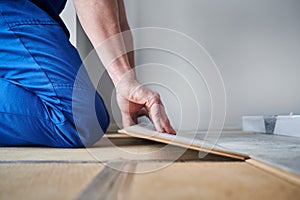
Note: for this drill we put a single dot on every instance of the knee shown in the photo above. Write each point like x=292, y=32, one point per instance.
x=80, y=135
x=91, y=134
x=87, y=123
x=91, y=129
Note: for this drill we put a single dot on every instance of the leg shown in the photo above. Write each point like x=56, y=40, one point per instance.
x=37, y=57
x=23, y=119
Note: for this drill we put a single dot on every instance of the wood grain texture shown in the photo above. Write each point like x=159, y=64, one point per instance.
x=210, y=180
x=112, y=182
x=189, y=141
x=280, y=151
x=136, y=149
x=45, y=181
x=46, y=154
x=294, y=179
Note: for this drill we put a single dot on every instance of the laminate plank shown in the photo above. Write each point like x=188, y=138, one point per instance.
x=45, y=181
x=111, y=183
x=185, y=140
x=209, y=180
x=106, y=150
x=280, y=151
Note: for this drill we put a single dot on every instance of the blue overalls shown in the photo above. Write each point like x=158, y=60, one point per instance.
x=38, y=67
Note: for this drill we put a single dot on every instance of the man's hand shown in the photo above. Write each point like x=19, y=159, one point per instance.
x=136, y=100
x=101, y=20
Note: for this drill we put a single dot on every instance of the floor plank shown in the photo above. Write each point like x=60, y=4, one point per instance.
x=104, y=151
x=280, y=151
x=210, y=180
x=45, y=181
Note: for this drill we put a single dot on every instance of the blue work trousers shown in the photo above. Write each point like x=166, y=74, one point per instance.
x=38, y=68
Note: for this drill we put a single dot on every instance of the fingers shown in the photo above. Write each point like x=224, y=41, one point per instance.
x=130, y=119
x=156, y=113
x=169, y=128
x=160, y=119
x=126, y=119
x=139, y=101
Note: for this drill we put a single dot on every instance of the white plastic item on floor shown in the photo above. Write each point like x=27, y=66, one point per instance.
x=254, y=124
x=288, y=125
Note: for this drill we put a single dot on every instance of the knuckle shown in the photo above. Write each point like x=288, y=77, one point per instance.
x=156, y=95
x=155, y=98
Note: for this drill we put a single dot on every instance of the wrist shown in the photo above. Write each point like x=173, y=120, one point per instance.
x=127, y=85
x=119, y=72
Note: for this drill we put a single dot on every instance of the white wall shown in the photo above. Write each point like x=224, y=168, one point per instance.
x=255, y=44
x=69, y=17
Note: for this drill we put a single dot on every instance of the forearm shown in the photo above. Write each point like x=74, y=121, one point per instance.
x=128, y=40
x=103, y=20
x=127, y=36
x=100, y=20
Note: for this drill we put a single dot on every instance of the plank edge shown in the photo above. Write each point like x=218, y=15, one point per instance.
x=287, y=176
x=193, y=147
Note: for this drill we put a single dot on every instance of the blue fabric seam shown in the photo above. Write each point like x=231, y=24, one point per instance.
x=32, y=22
x=25, y=115
x=10, y=28
x=61, y=85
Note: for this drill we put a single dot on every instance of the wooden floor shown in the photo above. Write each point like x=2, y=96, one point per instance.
x=47, y=173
